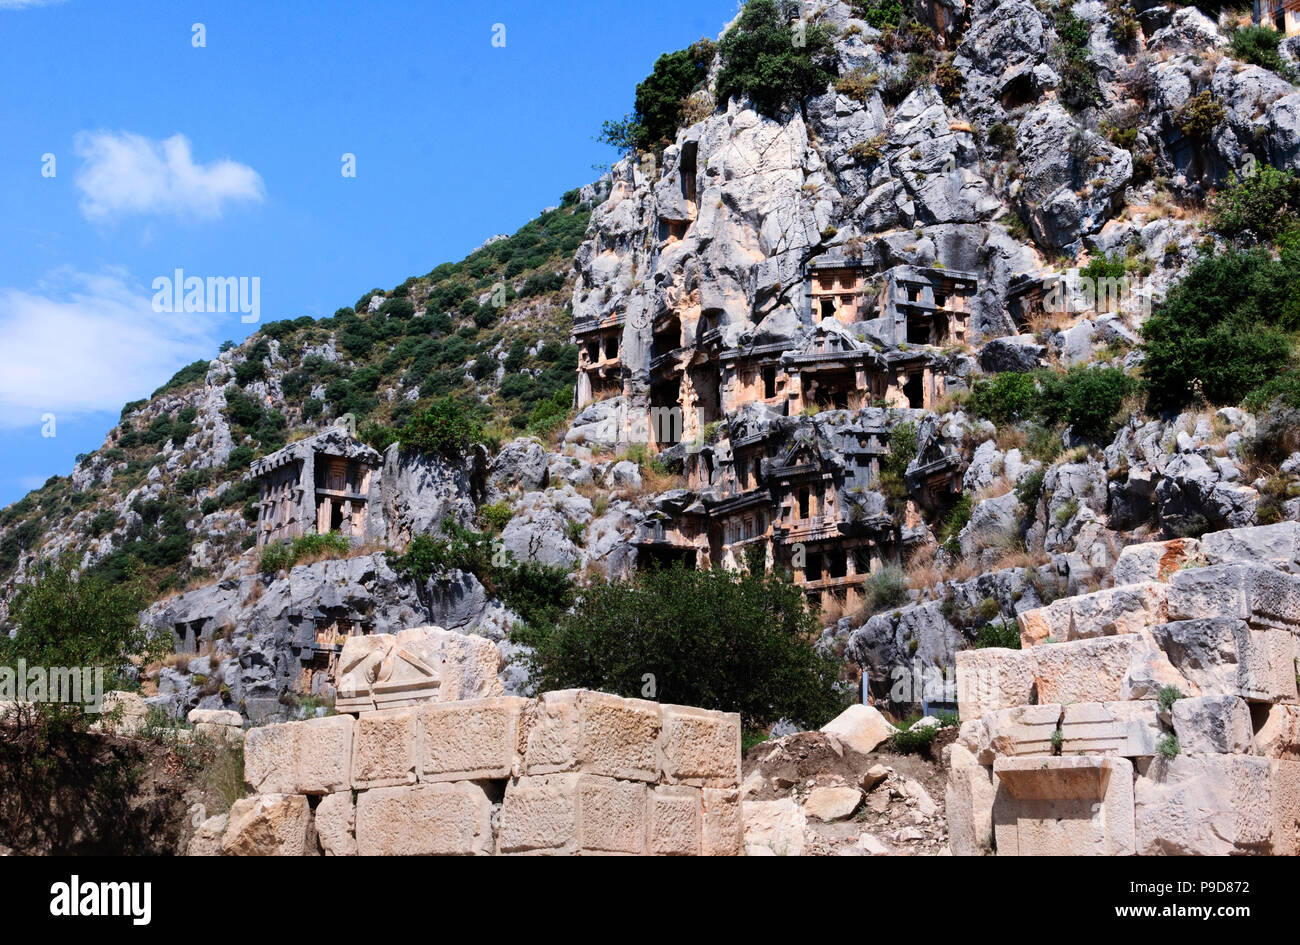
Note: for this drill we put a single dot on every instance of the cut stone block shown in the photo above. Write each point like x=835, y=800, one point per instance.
x=675, y=820
x=700, y=747
x=1076, y=806
x=1277, y=545
x=969, y=808
x=1083, y=670
x=1225, y=655
x=723, y=828
x=385, y=748
x=1024, y=730
x=441, y=819
x=540, y=815
x=207, y=838
x=552, y=740
x=269, y=760
x=270, y=825
x=611, y=815
x=419, y=664
x=1213, y=725
x=1260, y=595
x=336, y=824
x=322, y=754
x=993, y=678
x=1216, y=805
x=1125, y=609
x=1156, y=560
x=472, y=740
x=1278, y=731
x=774, y=828
x=619, y=737
x=1130, y=729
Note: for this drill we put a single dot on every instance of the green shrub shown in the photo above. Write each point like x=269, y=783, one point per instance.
x=1200, y=115
x=1086, y=398
x=1166, y=696
x=1078, y=88
x=1168, y=746
x=913, y=740
x=1002, y=633
x=1222, y=332
x=445, y=427
x=1258, y=45
x=496, y=515
x=1008, y=397
x=884, y=589
x=760, y=60
x=1260, y=206
x=282, y=556
x=879, y=14
x=712, y=638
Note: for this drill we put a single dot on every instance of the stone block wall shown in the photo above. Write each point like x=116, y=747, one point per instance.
x=570, y=772
x=1067, y=747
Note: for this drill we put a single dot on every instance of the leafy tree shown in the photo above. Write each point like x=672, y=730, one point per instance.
x=1200, y=114
x=66, y=619
x=1012, y=395
x=879, y=14
x=760, y=58
x=660, y=95
x=713, y=638
x=1224, y=331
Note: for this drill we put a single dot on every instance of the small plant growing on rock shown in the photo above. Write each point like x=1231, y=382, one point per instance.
x=1168, y=747
x=1200, y=114
x=1167, y=696
x=913, y=740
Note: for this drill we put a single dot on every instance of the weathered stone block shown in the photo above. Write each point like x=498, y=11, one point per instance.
x=419, y=664
x=1124, y=609
x=1278, y=734
x=470, y=740
x=268, y=760
x=969, y=807
x=1277, y=545
x=1155, y=560
x=1083, y=670
x=270, y=825
x=723, y=828
x=1225, y=655
x=611, y=815
x=1023, y=730
x=385, y=748
x=207, y=838
x=619, y=737
x=1210, y=725
x=701, y=747
x=675, y=820
x=1260, y=595
x=993, y=678
x=322, y=754
x=540, y=815
x=424, y=820
x=336, y=824
x=1216, y=805
x=1130, y=729
x=554, y=725
x=1056, y=806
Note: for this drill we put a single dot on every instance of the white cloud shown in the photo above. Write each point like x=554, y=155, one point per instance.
x=126, y=174
x=19, y=4
x=84, y=342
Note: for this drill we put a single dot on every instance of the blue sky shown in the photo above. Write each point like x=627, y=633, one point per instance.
x=226, y=160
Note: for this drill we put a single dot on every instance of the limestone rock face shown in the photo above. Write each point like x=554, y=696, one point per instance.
x=774, y=828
